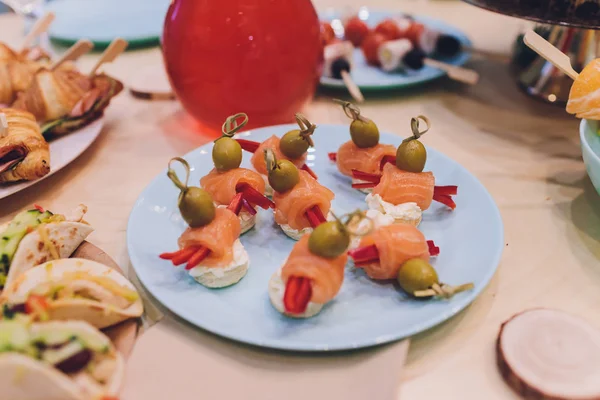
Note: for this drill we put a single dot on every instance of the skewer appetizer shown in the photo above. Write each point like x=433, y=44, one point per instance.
x=229, y=184
x=293, y=147
x=429, y=41
x=401, y=252
x=338, y=58
x=301, y=203
x=314, y=271
x=403, y=190
x=363, y=152
x=210, y=246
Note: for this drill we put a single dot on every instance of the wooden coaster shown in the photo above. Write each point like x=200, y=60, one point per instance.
x=123, y=335
x=152, y=83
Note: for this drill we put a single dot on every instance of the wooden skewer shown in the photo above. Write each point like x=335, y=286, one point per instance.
x=541, y=46
x=353, y=88
x=110, y=54
x=77, y=50
x=38, y=28
x=459, y=74
x=3, y=125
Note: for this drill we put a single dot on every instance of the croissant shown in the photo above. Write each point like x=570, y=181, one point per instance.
x=53, y=94
x=24, y=153
x=15, y=77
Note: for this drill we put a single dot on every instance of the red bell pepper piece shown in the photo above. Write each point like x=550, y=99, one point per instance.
x=198, y=256
x=433, y=249
x=310, y=171
x=184, y=255
x=39, y=208
x=248, y=145
x=364, y=185
x=315, y=216
x=298, y=292
x=246, y=206
x=387, y=159
x=170, y=256
x=445, y=190
x=36, y=304
x=236, y=204
x=332, y=156
x=364, y=255
x=254, y=197
x=365, y=176
x=445, y=199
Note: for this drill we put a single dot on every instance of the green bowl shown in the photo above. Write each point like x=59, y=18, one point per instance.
x=590, y=148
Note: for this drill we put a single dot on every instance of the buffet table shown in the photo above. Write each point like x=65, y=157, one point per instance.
x=526, y=154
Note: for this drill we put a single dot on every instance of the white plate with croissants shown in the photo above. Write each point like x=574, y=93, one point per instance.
x=50, y=112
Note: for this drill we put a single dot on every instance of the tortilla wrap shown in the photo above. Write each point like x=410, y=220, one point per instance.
x=78, y=289
x=23, y=377
x=65, y=236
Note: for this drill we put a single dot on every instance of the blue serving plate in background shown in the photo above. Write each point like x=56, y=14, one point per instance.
x=365, y=313
x=140, y=22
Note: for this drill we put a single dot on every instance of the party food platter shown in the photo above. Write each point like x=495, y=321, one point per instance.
x=68, y=317
x=370, y=77
x=365, y=312
x=50, y=112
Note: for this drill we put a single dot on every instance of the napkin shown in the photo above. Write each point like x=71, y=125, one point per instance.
x=174, y=360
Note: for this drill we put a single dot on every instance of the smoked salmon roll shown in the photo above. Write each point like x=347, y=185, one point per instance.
x=363, y=152
x=293, y=147
x=214, y=255
x=210, y=247
x=303, y=207
x=382, y=252
x=306, y=281
x=226, y=185
x=584, y=97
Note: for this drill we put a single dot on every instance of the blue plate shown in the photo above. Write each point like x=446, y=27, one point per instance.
x=364, y=313
x=139, y=22
x=368, y=77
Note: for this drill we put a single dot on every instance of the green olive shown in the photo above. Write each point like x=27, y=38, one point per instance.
x=293, y=145
x=226, y=154
x=416, y=274
x=329, y=240
x=364, y=133
x=411, y=156
x=196, y=207
x=284, y=176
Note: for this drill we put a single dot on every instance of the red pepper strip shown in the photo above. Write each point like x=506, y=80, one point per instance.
x=385, y=160
x=312, y=218
x=248, y=145
x=246, y=206
x=364, y=185
x=445, y=199
x=310, y=171
x=332, y=156
x=365, y=176
x=298, y=291
x=254, y=197
x=236, y=204
x=319, y=214
x=445, y=190
x=433, y=249
x=39, y=208
x=170, y=256
x=364, y=255
x=197, y=258
x=185, y=255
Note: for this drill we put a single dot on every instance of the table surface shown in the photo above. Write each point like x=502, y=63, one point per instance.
x=526, y=153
